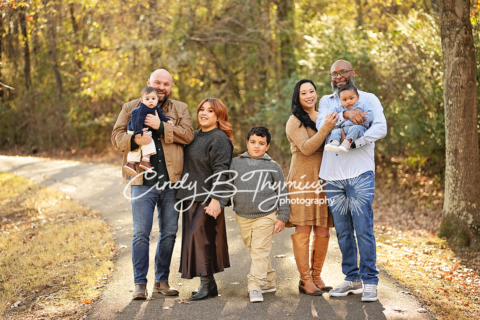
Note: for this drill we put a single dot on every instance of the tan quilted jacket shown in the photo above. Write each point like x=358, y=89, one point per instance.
x=172, y=142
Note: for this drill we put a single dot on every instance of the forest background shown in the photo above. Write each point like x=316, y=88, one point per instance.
x=68, y=67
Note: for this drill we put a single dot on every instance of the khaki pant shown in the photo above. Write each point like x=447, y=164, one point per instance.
x=257, y=235
x=136, y=155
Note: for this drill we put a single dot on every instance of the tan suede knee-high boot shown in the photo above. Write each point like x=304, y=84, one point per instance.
x=319, y=252
x=301, y=251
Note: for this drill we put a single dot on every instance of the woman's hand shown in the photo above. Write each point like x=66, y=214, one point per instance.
x=213, y=209
x=331, y=119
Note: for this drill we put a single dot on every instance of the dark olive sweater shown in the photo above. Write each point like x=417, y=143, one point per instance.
x=208, y=154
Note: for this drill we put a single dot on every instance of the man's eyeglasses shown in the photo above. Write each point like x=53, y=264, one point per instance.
x=342, y=73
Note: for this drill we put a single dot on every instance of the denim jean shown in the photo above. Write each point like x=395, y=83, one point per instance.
x=143, y=210
x=350, y=202
x=351, y=132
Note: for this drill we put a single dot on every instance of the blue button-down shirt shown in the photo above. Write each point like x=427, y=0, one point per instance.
x=346, y=165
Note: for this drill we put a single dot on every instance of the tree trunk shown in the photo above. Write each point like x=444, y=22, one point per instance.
x=2, y=32
x=26, y=49
x=75, y=34
x=154, y=35
x=359, y=13
x=285, y=14
x=461, y=210
x=52, y=52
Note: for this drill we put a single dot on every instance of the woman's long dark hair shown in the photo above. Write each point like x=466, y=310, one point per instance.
x=297, y=109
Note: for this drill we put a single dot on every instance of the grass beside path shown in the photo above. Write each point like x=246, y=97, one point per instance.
x=55, y=255
x=444, y=277
x=432, y=272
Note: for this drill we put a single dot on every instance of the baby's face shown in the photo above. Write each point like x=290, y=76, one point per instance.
x=348, y=98
x=150, y=99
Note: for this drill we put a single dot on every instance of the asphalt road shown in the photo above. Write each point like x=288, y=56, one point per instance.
x=99, y=187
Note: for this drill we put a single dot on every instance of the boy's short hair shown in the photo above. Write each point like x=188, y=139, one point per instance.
x=348, y=87
x=148, y=90
x=260, y=131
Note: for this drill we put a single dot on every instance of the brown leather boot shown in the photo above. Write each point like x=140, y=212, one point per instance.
x=131, y=168
x=319, y=252
x=140, y=292
x=165, y=289
x=146, y=165
x=301, y=251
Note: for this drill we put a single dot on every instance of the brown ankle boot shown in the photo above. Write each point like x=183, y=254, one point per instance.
x=300, y=250
x=319, y=252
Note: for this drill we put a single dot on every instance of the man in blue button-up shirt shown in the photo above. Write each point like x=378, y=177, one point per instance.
x=350, y=186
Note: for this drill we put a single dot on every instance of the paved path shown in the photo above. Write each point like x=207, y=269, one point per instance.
x=99, y=187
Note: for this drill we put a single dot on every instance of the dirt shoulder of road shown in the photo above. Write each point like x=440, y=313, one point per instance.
x=55, y=255
x=408, y=212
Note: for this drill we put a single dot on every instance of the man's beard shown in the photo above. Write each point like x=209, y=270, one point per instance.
x=335, y=89
x=165, y=98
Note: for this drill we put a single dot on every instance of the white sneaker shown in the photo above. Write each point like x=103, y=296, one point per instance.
x=266, y=289
x=369, y=292
x=345, y=288
x=255, y=296
x=345, y=146
x=333, y=146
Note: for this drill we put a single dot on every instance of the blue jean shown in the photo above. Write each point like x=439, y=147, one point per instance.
x=143, y=210
x=350, y=202
x=351, y=132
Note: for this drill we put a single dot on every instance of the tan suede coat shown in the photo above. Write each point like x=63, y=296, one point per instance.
x=175, y=137
x=306, y=146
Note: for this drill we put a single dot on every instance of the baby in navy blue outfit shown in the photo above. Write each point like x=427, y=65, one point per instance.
x=148, y=105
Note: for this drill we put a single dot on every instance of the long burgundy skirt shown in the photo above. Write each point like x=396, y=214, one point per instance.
x=204, y=242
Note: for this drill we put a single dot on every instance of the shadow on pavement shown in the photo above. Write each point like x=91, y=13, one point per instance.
x=234, y=308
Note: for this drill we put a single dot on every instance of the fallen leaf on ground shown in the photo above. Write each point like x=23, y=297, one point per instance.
x=184, y=301
x=86, y=301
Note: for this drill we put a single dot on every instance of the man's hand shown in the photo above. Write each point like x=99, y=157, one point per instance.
x=279, y=226
x=153, y=121
x=143, y=140
x=357, y=116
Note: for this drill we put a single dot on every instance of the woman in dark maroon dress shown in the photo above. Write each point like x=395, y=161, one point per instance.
x=204, y=236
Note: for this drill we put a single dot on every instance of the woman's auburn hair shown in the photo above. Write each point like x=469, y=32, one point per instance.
x=222, y=116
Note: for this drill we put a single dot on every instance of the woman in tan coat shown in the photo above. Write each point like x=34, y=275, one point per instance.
x=309, y=209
